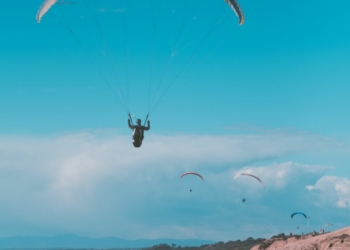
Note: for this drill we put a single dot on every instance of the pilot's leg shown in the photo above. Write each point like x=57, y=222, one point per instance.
x=137, y=144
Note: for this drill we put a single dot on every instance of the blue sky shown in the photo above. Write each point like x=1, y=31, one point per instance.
x=269, y=97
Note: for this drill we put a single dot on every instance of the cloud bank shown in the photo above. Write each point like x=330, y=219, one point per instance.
x=332, y=190
x=94, y=183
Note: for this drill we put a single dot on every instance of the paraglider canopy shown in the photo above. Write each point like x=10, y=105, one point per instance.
x=293, y=214
x=246, y=174
x=46, y=5
x=193, y=173
x=235, y=7
x=93, y=25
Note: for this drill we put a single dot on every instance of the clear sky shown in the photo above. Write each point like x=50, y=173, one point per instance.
x=270, y=97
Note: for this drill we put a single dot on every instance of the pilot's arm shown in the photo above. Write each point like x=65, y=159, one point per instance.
x=148, y=126
x=130, y=126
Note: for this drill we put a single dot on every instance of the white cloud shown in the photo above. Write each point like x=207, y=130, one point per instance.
x=97, y=184
x=279, y=175
x=333, y=190
x=310, y=187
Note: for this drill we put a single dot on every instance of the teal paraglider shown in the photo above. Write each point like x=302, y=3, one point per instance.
x=298, y=213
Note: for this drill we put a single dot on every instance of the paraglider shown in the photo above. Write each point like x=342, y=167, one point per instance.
x=302, y=214
x=103, y=53
x=293, y=214
x=138, y=132
x=250, y=175
x=235, y=7
x=193, y=173
x=241, y=174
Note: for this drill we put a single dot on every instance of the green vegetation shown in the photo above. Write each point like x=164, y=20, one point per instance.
x=230, y=245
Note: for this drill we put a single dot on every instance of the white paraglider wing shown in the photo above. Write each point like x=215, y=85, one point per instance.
x=47, y=4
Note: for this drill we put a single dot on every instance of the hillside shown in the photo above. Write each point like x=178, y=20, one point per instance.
x=337, y=240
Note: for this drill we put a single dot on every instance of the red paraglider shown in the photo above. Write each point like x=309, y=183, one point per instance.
x=187, y=173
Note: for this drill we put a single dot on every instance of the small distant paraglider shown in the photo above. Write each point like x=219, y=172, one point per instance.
x=302, y=214
x=250, y=175
x=192, y=173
